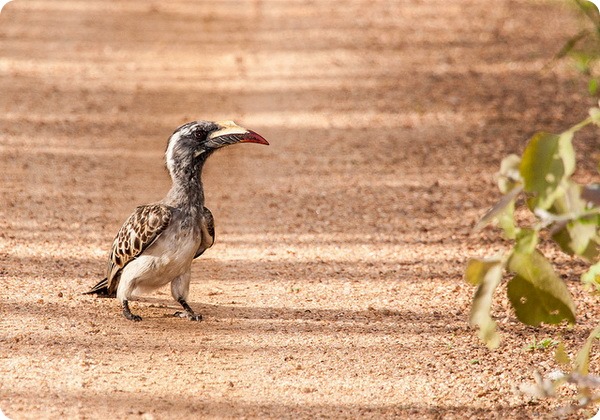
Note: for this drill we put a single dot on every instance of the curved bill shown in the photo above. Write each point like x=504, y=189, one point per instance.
x=253, y=137
x=229, y=133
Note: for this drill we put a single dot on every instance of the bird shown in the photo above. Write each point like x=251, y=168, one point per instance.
x=158, y=242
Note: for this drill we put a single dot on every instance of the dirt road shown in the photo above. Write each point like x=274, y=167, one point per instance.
x=334, y=289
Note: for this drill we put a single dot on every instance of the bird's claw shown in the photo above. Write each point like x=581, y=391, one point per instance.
x=195, y=317
x=127, y=313
x=132, y=317
x=191, y=317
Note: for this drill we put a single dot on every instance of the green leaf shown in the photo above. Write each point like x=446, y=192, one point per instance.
x=590, y=10
x=582, y=361
x=592, y=276
x=506, y=221
x=509, y=176
x=571, y=202
x=536, y=293
x=584, y=236
x=576, y=226
x=487, y=274
x=567, y=152
x=577, y=229
x=579, y=237
x=548, y=160
x=499, y=210
x=561, y=356
x=526, y=241
x=478, y=268
x=593, y=86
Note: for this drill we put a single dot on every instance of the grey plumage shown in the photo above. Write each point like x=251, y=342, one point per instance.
x=158, y=242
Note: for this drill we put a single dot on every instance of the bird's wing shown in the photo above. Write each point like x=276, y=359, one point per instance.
x=139, y=232
x=207, y=227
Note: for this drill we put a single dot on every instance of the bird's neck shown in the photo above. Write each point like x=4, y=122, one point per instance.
x=186, y=192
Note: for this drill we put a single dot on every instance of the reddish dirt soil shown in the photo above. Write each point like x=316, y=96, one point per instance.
x=335, y=287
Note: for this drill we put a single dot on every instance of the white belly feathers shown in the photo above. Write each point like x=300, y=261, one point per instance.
x=166, y=259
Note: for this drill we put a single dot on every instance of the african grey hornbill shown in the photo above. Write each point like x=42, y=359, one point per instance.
x=158, y=242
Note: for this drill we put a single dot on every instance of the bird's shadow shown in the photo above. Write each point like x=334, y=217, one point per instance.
x=268, y=318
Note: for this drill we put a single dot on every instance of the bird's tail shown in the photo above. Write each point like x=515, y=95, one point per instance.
x=100, y=289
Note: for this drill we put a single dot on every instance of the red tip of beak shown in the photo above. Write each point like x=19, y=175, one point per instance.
x=253, y=137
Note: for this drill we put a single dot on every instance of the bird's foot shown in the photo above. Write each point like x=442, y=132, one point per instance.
x=133, y=317
x=127, y=313
x=191, y=316
x=189, y=312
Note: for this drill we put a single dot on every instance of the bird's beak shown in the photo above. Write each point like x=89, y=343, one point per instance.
x=230, y=133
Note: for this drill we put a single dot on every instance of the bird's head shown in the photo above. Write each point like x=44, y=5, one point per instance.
x=192, y=143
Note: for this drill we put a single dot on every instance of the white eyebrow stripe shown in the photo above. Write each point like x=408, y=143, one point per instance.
x=173, y=140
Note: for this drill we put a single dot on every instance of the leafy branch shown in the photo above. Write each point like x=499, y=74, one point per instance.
x=540, y=182
x=538, y=185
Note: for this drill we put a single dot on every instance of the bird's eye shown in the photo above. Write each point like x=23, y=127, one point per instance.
x=198, y=135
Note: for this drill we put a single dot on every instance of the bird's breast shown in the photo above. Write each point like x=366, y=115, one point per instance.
x=181, y=245
x=172, y=254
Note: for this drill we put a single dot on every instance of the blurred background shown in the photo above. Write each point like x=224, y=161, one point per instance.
x=379, y=113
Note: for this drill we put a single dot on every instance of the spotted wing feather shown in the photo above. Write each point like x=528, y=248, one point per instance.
x=139, y=232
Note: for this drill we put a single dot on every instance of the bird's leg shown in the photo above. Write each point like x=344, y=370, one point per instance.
x=189, y=312
x=127, y=312
x=179, y=289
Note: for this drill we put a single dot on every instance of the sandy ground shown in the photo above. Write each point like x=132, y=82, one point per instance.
x=335, y=288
